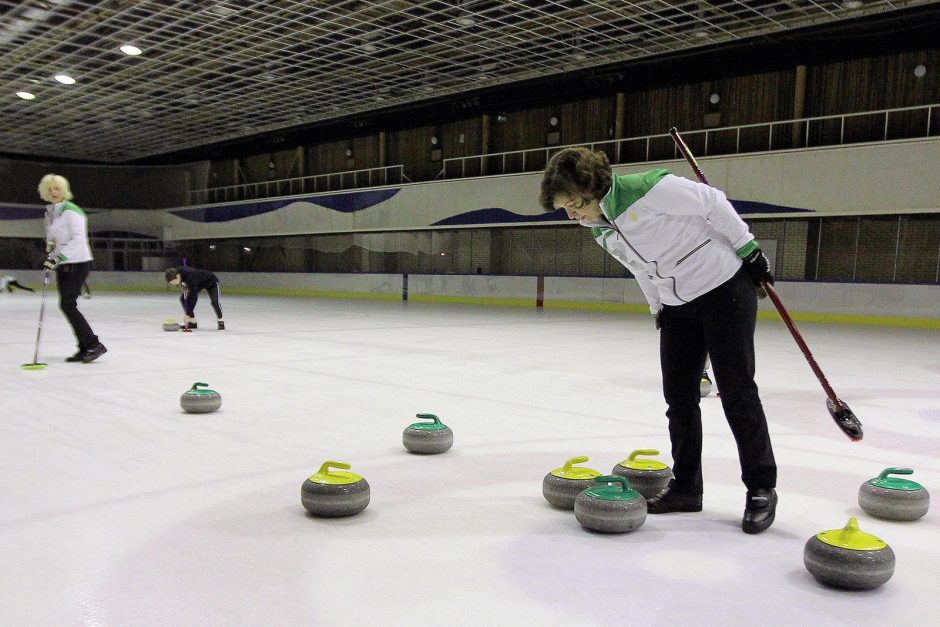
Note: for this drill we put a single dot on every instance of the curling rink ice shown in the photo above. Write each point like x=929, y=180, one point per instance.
x=116, y=508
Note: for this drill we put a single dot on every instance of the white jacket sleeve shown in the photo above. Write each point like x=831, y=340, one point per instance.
x=639, y=272
x=650, y=292
x=74, y=243
x=684, y=197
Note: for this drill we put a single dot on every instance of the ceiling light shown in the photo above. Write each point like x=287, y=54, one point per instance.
x=466, y=21
x=25, y=95
x=65, y=79
x=220, y=9
x=852, y=4
x=130, y=50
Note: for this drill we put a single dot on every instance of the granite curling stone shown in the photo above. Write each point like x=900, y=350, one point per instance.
x=893, y=498
x=647, y=476
x=611, y=506
x=170, y=324
x=334, y=493
x=704, y=386
x=849, y=558
x=562, y=485
x=428, y=437
x=197, y=400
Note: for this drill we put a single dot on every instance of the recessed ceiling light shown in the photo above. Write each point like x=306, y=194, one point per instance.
x=25, y=95
x=131, y=50
x=65, y=79
x=466, y=21
x=852, y=4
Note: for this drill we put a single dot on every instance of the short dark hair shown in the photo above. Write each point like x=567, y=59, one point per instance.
x=170, y=274
x=578, y=172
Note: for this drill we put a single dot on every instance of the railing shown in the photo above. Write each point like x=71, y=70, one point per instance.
x=350, y=179
x=848, y=128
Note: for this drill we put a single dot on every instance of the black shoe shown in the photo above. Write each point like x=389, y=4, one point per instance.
x=188, y=325
x=221, y=326
x=76, y=357
x=759, y=510
x=93, y=353
x=673, y=500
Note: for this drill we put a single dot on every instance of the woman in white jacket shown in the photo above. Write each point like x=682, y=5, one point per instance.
x=698, y=266
x=70, y=257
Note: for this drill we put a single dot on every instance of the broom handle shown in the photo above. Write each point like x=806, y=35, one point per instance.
x=684, y=149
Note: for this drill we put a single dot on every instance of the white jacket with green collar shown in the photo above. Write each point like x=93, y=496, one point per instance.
x=680, y=239
x=67, y=226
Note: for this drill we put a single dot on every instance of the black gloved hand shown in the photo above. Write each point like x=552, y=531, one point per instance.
x=757, y=267
x=659, y=319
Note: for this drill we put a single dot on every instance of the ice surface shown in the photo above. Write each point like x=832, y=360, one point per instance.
x=116, y=508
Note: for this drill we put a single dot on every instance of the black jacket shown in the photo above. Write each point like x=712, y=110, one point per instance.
x=195, y=279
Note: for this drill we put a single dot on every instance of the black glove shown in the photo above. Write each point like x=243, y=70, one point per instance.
x=757, y=267
x=659, y=319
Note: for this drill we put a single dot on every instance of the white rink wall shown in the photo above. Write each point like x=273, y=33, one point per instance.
x=838, y=302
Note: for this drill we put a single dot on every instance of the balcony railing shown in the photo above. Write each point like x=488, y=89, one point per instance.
x=830, y=130
x=350, y=179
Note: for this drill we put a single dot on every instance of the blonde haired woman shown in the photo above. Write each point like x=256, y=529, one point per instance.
x=70, y=257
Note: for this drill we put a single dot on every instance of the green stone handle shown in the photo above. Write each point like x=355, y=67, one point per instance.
x=611, y=479
x=436, y=420
x=895, y=471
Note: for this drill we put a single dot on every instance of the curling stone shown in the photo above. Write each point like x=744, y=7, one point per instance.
x=893, y=498
x=647, y=476
x=562, y=485
x=334, y=493
x=196, y=400
x=170, y=324
x=704, y=386
x=428, y=437
x=612, y=506
x=849, y=558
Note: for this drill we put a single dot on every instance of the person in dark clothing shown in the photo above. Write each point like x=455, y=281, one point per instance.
x=191, y=281
x=9, y=282
x=698, y=266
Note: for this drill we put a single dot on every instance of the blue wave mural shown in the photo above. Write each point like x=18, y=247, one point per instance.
x=495, y=215
x=345, y=203
x=753, y=206
x=21, y=213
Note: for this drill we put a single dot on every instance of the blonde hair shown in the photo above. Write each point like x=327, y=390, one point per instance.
x=54, y=180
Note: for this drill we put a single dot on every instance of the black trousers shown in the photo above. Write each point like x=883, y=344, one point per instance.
x=189, y=301
x=719, y=324
x=69, y=279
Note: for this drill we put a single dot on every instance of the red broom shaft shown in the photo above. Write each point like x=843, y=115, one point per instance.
x=684, y=149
